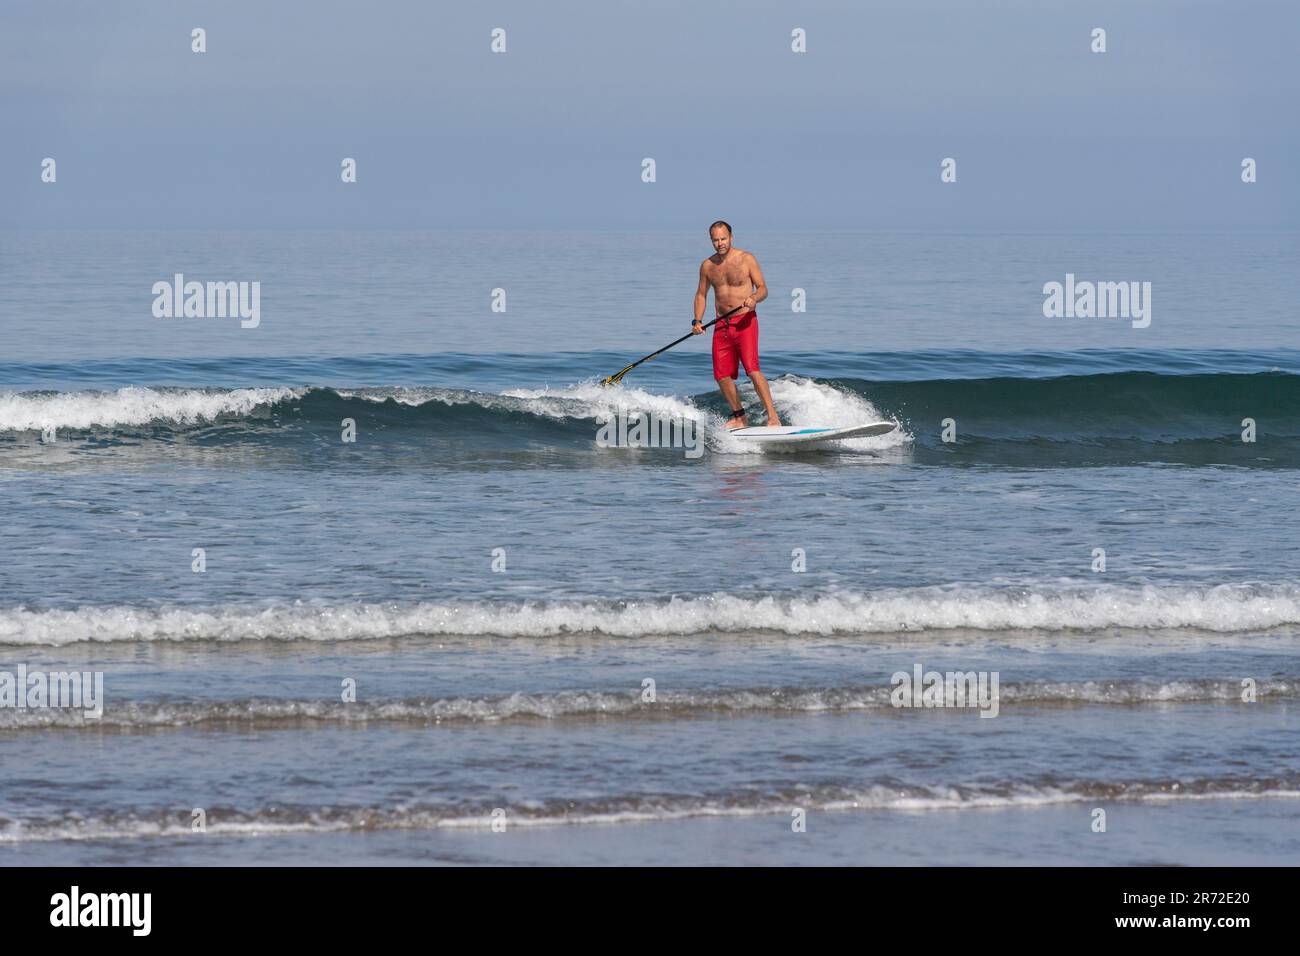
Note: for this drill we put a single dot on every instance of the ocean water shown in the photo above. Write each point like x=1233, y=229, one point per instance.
x=645, y=655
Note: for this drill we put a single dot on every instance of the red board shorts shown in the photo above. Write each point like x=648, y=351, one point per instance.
x=735, y=342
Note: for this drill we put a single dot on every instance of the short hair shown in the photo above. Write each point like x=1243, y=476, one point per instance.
x=720, y=222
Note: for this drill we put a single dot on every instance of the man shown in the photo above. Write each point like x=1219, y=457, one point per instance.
x=737, y=281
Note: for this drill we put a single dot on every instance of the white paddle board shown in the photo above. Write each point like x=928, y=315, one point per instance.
x=792, y=434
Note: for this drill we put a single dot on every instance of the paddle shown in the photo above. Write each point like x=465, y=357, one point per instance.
x=613, y=379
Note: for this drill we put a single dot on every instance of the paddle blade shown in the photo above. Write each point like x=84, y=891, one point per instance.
x=616, y=377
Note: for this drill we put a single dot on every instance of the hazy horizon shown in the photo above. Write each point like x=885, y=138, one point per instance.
x=849, y=136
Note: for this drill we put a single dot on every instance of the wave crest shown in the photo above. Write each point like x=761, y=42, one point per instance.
x=1222, y=608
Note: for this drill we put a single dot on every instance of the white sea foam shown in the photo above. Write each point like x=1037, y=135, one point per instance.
x=130, y=406
x=598, y=401
x=628, y=705
x=631, y=809
x=799, y=401
x=1224, y=608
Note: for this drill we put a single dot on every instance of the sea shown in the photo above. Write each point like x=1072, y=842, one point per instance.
x=362, y=579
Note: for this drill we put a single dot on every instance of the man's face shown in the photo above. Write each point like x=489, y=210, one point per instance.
x=721, y=240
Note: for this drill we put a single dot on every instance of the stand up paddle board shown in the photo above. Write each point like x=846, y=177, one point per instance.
x=791, y=434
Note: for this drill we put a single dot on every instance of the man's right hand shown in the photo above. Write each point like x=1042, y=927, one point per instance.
x=697, y=327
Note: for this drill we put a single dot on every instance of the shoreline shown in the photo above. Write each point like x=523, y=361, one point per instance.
x=1194, y=833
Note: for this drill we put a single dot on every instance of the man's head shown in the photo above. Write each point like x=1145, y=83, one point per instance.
x=720, y=236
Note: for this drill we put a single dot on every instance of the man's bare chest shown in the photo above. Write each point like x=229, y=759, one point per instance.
x=728, y=274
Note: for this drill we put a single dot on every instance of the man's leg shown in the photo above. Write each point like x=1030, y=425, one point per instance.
x=764, y=395
x=726, y=364
x=747, y=345
x=730, y=393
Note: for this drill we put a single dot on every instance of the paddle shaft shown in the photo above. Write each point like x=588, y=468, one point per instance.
x=614, y=378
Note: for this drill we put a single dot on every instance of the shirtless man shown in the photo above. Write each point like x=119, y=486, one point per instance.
x=737, y=281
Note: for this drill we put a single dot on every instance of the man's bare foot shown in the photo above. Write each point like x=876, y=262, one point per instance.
x=737, y=420
x=773, y=421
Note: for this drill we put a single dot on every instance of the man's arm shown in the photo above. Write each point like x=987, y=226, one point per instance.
x=701, y=296
x=760, y=286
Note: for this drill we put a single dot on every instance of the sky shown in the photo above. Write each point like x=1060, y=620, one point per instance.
x=552, y=134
